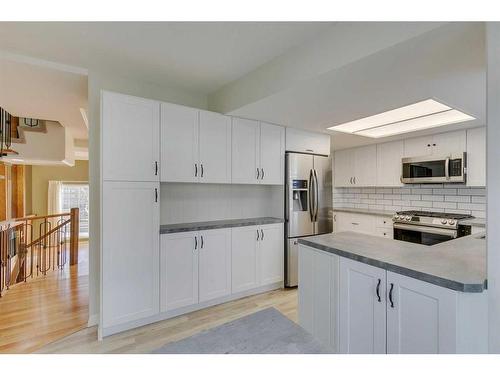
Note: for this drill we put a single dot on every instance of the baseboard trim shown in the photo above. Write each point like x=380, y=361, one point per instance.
x=93, y=320
x=108, y=331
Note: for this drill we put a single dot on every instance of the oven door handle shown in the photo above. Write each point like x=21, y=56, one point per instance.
x=416, y=228
x=447, y=168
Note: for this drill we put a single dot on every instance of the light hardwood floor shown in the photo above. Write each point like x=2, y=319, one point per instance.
x=145, y=339
x=46, y=308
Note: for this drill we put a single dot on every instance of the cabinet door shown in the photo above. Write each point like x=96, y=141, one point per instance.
x=422, y=317
x=361, y=314
x=272, y=154
x=130, y=252
x=449, y=143
x=420, y=146
x=245, y=155
x=389, y=163
x=179, y=143
x=244, y=259
x=271, y=254
x=215, y=148
x=130, y=131
x=365, y=166
x=476, y=157
x=318, y=294
x=343, y=171
x=343, y=221
x=215, y=263
x=178, y=270
x=298, y=140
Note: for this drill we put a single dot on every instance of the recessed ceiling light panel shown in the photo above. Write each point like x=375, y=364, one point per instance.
x=422, y=115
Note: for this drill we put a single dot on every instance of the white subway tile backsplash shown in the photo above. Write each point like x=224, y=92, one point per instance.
x=457, y=198
x=478, y=199
x=422, y=203
x=472, y=206
x=421, y=191
x=434, y=198
x=444, y=205
x=445, y=191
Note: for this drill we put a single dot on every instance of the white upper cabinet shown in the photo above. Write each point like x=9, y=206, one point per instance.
x=179, y=270
x=214, y=263
x=215, y=148
x=195, y=145
x=245, y=156
x=130, y=252
x=421, y=317
x=258, y=152
x=389, y=163
x=365, y=166
x=438, y=144
x=298, y=140
x=179, y=143
x=272, y=154
x=356, y=167
x=343, y=168
x=130, y=129
x=362, y=308
x=476, y=157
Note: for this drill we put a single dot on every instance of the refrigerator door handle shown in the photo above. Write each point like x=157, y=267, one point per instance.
x=316, y=193
x=310, y=190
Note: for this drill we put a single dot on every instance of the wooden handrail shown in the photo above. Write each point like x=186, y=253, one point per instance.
x=35, y=217
x=48, y=233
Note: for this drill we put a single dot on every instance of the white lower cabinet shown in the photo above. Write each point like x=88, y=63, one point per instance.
x=375, y=225
x=421, y=317
x=383, y=312
x=178, y=270
x=130, y=244
x=362, y=309
x=214, y=263
x=257, y=256
x=200, y=267
x=318, y=294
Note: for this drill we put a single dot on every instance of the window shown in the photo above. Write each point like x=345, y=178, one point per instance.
x=77, y=195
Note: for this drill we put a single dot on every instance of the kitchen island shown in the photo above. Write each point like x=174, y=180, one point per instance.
x=365, y=294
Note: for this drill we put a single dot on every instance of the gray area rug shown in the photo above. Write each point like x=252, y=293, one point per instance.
x=264, y=332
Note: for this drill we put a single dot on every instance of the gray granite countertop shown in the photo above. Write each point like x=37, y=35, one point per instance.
x=475, y=222
x=218, y=224
x=458, y=264
x=364, y=211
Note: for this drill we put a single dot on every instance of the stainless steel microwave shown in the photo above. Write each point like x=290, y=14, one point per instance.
x=432, y=169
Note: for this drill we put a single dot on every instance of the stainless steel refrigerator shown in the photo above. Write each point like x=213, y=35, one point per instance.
x=308, y=204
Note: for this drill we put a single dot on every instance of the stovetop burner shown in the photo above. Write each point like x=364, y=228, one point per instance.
x=435, y=214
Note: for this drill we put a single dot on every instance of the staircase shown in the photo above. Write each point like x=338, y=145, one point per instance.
x=23, y=257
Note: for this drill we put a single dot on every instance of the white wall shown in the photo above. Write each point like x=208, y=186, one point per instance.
x=98, y=81
x=186, y=203
x=493, y=182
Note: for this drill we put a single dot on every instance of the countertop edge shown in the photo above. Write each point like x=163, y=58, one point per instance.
x=432, y=279
x=218, y=224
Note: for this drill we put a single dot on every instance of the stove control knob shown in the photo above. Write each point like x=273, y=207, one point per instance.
x=407, y=218
x=444, y=221
x=451, y=222
x=396, y=217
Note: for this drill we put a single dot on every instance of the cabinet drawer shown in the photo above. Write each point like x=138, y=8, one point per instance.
x=383, y=221
x=384, y=232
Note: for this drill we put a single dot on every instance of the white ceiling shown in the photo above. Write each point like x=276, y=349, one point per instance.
x=35, y=91
x=448, y=64
x=198, y=56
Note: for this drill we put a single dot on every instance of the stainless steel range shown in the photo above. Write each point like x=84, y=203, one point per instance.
x=429, y=228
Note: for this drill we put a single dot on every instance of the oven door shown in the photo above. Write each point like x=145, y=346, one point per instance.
x=423, y=235
x=432, y=169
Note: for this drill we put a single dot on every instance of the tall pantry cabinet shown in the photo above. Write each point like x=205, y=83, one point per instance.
x=130, y=213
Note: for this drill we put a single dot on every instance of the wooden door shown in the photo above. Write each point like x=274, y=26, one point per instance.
x=178, y=270
x=130, y=252
x=130, y=129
